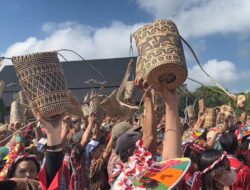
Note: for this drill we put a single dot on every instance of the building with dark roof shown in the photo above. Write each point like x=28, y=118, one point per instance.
x=76, y=74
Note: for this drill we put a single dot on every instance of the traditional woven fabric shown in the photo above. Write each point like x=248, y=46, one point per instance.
x=210, y=118
x=142, y=172
x=160, y=54
x=1, y=88
x=42, y=80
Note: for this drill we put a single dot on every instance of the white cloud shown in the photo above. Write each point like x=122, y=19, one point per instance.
x=113, y=41
x=91, y=43
x=224, y=72
x=202, y=17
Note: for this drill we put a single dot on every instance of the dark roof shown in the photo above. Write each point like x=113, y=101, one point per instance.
x=76, y=74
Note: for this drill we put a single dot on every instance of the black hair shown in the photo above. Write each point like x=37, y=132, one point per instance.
x=229, y=143
x=208, y=158
x=194, y=156
x=12, y=169
x=244, y=146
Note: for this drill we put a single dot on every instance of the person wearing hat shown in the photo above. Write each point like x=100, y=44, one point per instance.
x=116, y=132
x=124, y=145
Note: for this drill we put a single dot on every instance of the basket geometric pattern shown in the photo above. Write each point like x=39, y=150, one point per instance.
x=16, y=112
x=210, y=118
x=129, y=90
x=75, y=107
x=42, y=80
x=22, y=100
x=160, y=54
x=112, y=107
x=94, y=107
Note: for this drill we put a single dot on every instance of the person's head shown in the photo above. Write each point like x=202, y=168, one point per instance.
x=76, y=123
x=229, y=143
x=119, y=129
x=125, y=145
x=194, y=151
x=24, y=167
x=216, y=170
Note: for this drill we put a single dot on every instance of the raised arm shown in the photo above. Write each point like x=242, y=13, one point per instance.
x=86, y=135
x=149, y=130
x=172, y=138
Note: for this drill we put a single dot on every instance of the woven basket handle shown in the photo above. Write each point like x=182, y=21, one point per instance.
x=198, y=62
x=122, y=86
x=92, y=67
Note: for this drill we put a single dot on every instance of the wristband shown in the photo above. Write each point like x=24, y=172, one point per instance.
x=54, y=147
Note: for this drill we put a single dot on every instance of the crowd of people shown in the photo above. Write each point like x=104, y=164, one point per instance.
x=83, y=152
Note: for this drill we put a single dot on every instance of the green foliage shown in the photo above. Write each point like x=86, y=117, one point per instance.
x=213, y=96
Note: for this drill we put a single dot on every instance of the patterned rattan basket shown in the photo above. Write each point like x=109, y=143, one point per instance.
x=190, y=111
x=201, y=106
x=22, y=100
x=75, y=109
x=129, y=90
x=210, y=118
x=112, y=108
x=16, y=112
x=160, y=54
x=42, y=80
x=94, y=107
x=241, y=101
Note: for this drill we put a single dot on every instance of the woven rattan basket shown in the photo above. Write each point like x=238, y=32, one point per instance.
x=42, y=80
x=75, y=109
x=227, y=111
x=201, y=106
x=94, y=107
x=112, y=108
x=210, y=118
x=1, y=88
x=241, y=101
x=110, y=105
x=160, y=54
x=129, y=90
x=190, y=112
x=22, y=100
x=16, y=112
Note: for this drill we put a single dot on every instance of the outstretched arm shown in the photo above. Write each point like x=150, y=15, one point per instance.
x=172, y=138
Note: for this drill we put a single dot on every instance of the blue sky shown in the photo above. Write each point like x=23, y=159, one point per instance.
x=218, y=30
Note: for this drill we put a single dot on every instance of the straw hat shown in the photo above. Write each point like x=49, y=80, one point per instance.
x=42, y=80
x=160, y=54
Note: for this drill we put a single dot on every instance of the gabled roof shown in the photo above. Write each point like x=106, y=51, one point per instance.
x=76, y=74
